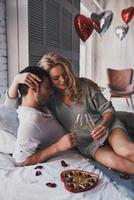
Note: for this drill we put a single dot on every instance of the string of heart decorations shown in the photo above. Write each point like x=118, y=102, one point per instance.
x=101, y=22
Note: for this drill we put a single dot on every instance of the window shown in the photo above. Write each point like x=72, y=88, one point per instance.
x=51, y=29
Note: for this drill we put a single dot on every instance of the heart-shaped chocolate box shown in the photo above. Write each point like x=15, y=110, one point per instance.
x=78, y=180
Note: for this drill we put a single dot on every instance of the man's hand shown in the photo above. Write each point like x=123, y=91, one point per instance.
x=31, y=160
x=66, y=142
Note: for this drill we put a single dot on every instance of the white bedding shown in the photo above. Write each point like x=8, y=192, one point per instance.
x=22, y=184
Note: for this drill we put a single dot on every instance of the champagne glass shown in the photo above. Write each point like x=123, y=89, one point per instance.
x=90, y=124
x=83, y=120
x=79, y=122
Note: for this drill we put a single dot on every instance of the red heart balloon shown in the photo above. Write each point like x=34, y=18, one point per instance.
x=127, y=14
x=83, y=26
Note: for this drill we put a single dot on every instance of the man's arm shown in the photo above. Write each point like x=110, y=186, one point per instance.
x=65, y=143
x=28, y=139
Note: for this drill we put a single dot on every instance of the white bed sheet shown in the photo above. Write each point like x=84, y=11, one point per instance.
x=22, y=184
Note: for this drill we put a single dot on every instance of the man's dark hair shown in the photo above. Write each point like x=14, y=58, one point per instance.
x=41, y=73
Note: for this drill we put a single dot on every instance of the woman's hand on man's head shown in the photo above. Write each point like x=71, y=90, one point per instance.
x=27, y=78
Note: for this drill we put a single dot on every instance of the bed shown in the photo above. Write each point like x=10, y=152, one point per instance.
x=19, y=183
x=29, y=183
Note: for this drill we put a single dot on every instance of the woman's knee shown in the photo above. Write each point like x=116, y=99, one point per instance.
x=111, y=162
x=124, y=151
x=108, y=160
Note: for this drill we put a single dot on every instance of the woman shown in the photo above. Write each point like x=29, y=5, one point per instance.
x=74, y=95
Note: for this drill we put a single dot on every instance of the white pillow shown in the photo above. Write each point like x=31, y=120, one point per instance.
x=8, y=119
x=7, y=142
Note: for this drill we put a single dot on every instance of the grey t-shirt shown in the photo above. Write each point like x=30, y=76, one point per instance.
x=92, y=102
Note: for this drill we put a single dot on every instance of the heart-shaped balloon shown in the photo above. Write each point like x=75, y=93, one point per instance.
x=84, y=26
x=127, y=14
x=102, y=21
x=121, y=31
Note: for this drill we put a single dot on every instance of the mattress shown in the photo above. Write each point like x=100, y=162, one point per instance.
x=25, y=183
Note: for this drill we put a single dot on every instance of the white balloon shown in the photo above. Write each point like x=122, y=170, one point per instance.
x=121, y=31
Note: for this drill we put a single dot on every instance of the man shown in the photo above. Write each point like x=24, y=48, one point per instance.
x=39, y=135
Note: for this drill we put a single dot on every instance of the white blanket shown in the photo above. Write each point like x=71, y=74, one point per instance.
x=21, y=183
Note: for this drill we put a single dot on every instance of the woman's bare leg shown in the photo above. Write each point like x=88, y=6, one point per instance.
x=121, y=144
x=106, y=156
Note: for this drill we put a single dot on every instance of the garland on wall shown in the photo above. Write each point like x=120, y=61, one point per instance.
x=101, y=22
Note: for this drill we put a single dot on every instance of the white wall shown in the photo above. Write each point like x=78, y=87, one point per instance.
x=106, y=50
x=110, y=51
x=3, y=52
x=17, y=36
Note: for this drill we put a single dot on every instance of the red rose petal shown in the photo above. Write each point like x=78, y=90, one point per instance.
x=38, y=173
x=52, y=185
x=39, y=167
x=64, y=164
x=125, y=176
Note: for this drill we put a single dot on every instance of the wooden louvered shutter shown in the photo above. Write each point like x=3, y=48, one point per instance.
x=52, y=26
x=51, y=29
x=35, y=22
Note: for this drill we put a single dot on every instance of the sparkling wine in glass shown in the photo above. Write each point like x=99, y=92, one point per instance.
x=79, y=122
x=89, y=122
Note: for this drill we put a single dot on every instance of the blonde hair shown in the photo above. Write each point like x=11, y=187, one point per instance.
x=74, y=90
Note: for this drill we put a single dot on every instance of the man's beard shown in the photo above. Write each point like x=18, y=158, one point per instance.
x=42, y=101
